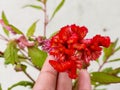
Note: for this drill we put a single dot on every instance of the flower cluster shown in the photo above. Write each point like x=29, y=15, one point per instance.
x=72, y=51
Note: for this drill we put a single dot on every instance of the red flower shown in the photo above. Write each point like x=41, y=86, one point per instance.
x=72, y=51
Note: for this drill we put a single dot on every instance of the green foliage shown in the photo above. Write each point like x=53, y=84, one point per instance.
x=38, y=56
x=10, y=54
x=106, y=70
x=31, y=29
x=104, y=78
x=110, y=50
x=34, y=6
x=114, y=60
x=0, y=87
x=4, y=18
x=15, y=29
x=21, y=83
x=6, y=22
x=58, y=8
x=114, y=72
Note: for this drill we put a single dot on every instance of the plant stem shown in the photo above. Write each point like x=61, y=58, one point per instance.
x=29, y=76
x=105, y=61
x=3, y=38
x=45, y=19
x=102, y=65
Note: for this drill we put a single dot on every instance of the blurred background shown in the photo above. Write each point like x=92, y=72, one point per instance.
x=100, y=16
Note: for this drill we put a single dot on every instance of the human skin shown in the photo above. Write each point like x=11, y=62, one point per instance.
x=50, y=79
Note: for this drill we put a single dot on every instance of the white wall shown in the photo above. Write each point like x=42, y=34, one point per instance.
x=95, y=14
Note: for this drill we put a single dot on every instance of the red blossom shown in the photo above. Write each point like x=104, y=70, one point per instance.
x=72, y=51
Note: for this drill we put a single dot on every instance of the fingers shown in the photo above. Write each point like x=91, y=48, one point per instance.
x=64, y=82
x=84, y=80
x=47, y=77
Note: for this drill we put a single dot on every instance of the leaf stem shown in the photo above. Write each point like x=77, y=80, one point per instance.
x=100, y=67
x=29, y=76
x=3, y=38
x=45, y=19
x=105, y=61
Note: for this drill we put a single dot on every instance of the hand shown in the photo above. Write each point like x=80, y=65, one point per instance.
x=49, y=79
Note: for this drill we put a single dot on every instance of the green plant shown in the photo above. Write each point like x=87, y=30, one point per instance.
x=22, y=49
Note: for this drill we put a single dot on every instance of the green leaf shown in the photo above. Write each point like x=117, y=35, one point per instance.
x=4, y=18
x=104, y=78
x=6, y=31
x=15, y=29
x=0, y=87
x=106, y=70
x=57, y=8
x=10, y=53
x=38, y=56
x=117, y=49
x=111, y=71
x=114, y=60
x=38, y=0
x=115, y=71
x=101, y=89
x=21, y=83
x=31, y=29
x=108, y=51
x=34, y=6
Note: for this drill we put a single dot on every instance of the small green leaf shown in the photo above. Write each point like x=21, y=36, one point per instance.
x=6, y=31
x=10, y=53
x=21, y=83
x=101, y=89
x=104, y=78
x=31, y=29
x=115, y=71
x=34, y=6
x=108, y=51
x=114, y=60
x=106, y=70
x=38, y=0
x=4, y=18
x=57, y=8
x=38, y=56
x=117, y=49
x=15, y=29
x=0, y=87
